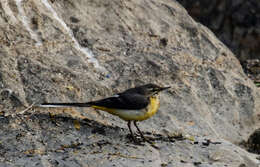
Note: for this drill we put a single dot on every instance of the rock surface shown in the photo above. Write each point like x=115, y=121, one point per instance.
x=235, y=26
x=67, y=51
x=235, y=22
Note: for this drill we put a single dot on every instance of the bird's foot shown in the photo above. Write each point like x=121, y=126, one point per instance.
x=149, y=140
x=135, y=140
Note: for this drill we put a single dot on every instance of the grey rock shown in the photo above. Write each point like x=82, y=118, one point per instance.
x=235, y=22
x=212, y=105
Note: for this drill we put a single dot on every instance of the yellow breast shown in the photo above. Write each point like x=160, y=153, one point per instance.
x=137, y=115
x=151, y=109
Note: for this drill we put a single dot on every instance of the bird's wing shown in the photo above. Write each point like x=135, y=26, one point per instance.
x=128, y=101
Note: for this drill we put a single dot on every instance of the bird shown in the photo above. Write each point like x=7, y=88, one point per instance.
x=132, y=105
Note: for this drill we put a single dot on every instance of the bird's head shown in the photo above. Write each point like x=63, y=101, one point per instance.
x=151, y=89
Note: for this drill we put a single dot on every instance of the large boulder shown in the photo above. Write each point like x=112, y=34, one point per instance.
x=232, y=23
x=68, y=51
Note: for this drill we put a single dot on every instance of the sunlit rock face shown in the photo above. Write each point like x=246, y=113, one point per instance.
x=77, y=51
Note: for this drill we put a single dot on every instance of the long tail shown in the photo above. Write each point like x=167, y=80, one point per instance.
x=64, y=105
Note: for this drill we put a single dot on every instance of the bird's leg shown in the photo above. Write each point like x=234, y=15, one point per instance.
x=139, y=131
x=129, y=127
x=152, y=144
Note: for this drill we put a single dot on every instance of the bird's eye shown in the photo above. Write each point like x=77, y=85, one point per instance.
x=155, y=89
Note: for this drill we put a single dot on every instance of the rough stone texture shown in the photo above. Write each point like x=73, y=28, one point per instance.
x=235, y=22
x=212, y=104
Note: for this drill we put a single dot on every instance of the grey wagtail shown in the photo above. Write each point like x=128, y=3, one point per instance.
x=135, y=104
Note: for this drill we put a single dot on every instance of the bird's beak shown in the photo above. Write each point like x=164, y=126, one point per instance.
x=164, y=88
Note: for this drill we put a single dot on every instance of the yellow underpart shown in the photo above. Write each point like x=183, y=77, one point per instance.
x=109, y=110
x=137, y=115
